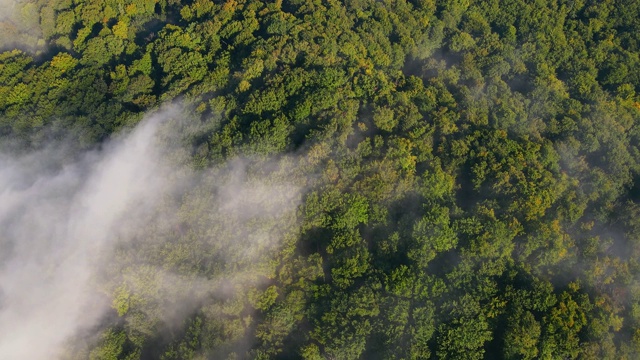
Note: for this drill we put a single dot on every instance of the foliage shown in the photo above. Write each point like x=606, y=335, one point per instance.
x=471, y=169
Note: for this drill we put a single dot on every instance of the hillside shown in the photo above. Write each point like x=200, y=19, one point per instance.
x=349, y=179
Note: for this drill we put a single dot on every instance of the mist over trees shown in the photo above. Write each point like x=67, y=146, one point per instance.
x=340, y=179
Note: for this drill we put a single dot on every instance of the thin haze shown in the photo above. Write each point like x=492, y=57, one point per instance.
x=61, y=224
x=8, y=11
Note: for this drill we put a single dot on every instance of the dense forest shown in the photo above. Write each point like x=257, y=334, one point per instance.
x=446, y=179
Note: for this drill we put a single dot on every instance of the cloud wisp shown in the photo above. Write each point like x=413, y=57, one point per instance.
x=63, y=221
x=56, y=224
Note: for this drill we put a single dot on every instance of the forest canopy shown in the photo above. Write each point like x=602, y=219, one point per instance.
x=456, y=179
